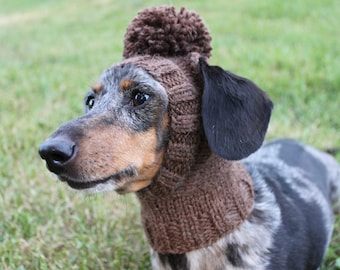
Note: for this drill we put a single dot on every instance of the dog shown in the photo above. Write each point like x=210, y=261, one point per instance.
x=127, y=140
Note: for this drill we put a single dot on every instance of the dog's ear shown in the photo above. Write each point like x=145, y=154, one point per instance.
x=235, y=113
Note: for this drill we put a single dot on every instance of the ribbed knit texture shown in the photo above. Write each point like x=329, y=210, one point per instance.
x=212, y=202
x=197, y=197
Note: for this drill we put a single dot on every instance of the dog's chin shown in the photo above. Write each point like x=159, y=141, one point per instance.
x=97, y=186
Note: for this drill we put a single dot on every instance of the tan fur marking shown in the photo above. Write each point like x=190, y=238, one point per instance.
x=145, y=176
x=126, y=84
x=147, y=173
x=165, y=122
x=108, y=151
x=134, y=186
x=97, y=87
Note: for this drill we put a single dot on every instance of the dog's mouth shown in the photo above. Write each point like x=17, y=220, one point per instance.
x=84, y=185
x=114, y=182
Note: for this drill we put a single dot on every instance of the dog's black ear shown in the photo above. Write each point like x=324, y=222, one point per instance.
x=235, y=113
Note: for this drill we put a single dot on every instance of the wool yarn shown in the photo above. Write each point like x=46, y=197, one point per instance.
x=197, y=197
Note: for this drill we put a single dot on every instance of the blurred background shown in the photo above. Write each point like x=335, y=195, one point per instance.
x=52, y=51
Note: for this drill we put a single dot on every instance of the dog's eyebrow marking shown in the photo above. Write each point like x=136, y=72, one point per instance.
x=97, y=87
x=126, y=84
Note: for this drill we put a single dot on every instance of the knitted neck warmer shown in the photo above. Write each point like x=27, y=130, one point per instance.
x=197, y=197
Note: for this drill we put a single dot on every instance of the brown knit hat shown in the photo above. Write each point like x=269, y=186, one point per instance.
x=197, y=197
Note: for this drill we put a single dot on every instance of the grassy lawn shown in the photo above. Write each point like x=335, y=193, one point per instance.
x=52, y=51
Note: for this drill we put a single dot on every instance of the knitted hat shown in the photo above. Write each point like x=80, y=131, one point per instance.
x=197, y=197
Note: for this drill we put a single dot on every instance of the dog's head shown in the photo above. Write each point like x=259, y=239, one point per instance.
x=160, y=107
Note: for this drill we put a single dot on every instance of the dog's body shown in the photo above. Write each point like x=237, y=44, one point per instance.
x=136, y=128
x=291, y=224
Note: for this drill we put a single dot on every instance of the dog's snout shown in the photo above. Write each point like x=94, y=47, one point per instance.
x=57, y=152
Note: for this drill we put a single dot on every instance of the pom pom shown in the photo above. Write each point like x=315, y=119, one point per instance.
x=163, y=32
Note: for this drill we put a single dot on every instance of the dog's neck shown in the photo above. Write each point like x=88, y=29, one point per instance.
x=181, y=213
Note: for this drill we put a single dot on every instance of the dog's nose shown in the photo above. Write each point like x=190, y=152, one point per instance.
x=57, y=152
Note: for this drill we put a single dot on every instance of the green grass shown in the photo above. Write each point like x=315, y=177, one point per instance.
x=52, y=51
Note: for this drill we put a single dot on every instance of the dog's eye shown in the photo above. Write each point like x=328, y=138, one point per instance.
x=90, y=102
x=138, y=98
